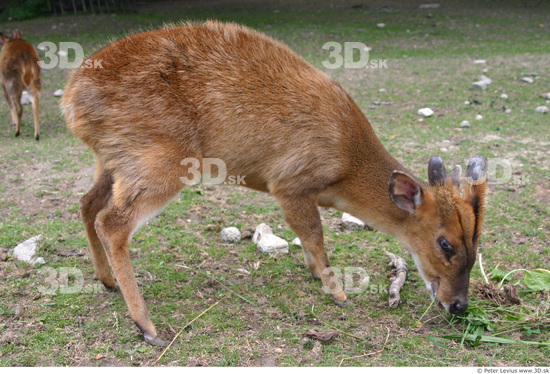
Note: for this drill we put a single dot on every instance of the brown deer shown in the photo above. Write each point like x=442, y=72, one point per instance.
x=223, y=91
x=19, y=70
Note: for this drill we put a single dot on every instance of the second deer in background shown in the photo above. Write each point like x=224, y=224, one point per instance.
x=19, y=70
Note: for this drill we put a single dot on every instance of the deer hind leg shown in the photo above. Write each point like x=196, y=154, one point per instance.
x=302, y=214
x=35, y=97
x=90, y=205
x=129, y=207
x=13, y=90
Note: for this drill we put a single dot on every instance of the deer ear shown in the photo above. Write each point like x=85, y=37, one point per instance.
x=3, y=38
x=405, y=193
x=17, y=34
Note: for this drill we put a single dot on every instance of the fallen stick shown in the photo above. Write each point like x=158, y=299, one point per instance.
x=401, y=270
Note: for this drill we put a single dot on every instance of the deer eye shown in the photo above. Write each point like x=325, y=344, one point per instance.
x=445, y=246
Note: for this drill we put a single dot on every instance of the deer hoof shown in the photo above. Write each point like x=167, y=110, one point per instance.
x=154, y=341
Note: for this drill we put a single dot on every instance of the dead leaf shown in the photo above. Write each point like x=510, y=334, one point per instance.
x=322, y=335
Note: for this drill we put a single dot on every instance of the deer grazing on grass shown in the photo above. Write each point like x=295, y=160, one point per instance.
x=19, y=70
x=217, y=90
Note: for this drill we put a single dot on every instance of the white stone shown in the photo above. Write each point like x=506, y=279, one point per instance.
x=297, y=242
x=479, y=117
x=58, y=92
x=508, y=111
x=425, y=112
x=527, y=79
x=504, y=96
x=261, y=230
x=381, y=25
x=25, y=98
x=480, y=61
x=483, y=78
x=482, y=83
x=479, y=85
x=26, y=251
x=270, y=243
x=231, y=235
x=352, y=223
x=467, y=102
x=541, y=109
x=464, y=124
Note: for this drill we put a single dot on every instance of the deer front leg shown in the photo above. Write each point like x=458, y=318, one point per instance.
x=302, y=214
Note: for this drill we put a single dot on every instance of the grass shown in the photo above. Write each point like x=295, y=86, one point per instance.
x=183, y=266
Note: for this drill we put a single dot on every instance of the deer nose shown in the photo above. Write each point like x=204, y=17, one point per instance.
x=458, y=307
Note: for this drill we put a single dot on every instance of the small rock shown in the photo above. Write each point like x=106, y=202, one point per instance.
x=425, y=112
x=25, y=98
x=508, y=111
x=26, y=251
x=479, y=117
x=541, y=109
x=529, y=74
x=482, y=83
x=485, y=71
x=58, y=92
x=481, y=86
x=484, y=78
x=545, y=95
x=231, y=235
x=297, y=242
x=380, y=25
x=467, y=102
x=464, y=124
x=278, y=350
x=270, y=243
x=382, y=90
x=261, y=230
x=480, y=61
x=504, y=96
x=527, y=79
x=352, y=223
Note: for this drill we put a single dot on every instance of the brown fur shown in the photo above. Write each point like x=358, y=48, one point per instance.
x=223, y=91
x=19, y=70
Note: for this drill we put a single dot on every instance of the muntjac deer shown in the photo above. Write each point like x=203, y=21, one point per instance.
x=223, y=91
x=19, y=70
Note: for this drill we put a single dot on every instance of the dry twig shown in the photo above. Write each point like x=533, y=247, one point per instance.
x=401, y=270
